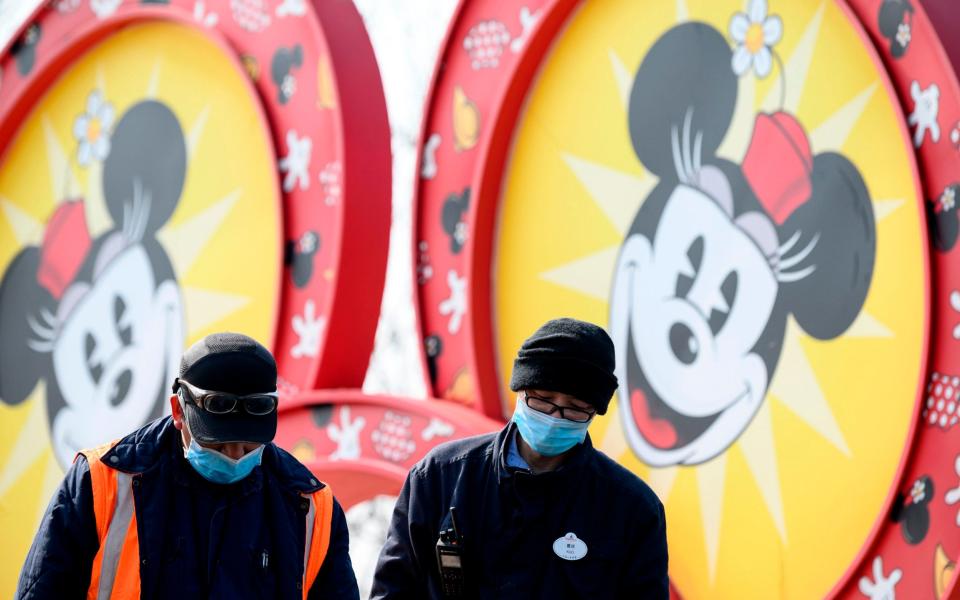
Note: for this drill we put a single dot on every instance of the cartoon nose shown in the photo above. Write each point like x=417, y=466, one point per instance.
x=121, y=387
x=683, y=343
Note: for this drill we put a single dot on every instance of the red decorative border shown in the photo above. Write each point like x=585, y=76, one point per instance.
x=934, y=448
x=465, y=369
x=350, y=136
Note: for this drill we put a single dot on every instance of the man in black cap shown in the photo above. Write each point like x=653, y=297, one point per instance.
x=199, y=504
x=533, y=511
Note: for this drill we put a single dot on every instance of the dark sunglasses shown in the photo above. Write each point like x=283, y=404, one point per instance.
x=221, y=403
x=577, y=415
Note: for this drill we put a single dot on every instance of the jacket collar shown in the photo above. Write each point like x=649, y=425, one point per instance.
x=159, y=441
x=577, y=457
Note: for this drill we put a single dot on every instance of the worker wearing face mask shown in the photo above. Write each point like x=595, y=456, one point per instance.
x=199, y=504
x=534, y=511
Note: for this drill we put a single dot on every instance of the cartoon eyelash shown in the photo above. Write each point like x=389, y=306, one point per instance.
x=785, y=262
x=136, y=213
x=46, y=331
x=687, y=160
x=782, y=250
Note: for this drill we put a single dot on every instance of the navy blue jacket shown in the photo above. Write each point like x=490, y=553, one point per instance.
x=197, y=539
x=510, y=518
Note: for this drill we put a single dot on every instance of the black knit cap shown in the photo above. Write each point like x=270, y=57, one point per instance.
x=568, y=356
x=234, y=363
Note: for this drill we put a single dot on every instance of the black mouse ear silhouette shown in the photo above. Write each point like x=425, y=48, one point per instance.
x=829, y=247
x=452, y=215
x=682, y=100
x=144, y=173
x=942, y=218
x=891, y=16
x=914, y=510
x=27, y=327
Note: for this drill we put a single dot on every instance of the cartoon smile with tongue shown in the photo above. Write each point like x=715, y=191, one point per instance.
x=723, y=252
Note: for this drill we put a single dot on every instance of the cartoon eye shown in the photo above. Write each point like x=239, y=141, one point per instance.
x=93, y=364
x=683, y=343
x=728, y=289
x=124, y=327
x=688, y=272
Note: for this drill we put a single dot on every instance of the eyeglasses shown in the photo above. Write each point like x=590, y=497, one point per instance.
x=221, y=403
x=577, y=415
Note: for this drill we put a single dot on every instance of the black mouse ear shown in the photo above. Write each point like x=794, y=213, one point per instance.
x=682, y=99
x=451, y=217
x=942, y=218
x=889, y=17
x=27, y=327
x=144, y=173
x=829, y=248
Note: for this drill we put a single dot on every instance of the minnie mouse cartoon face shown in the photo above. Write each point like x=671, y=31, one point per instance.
x=720, y=254
x=100, y=321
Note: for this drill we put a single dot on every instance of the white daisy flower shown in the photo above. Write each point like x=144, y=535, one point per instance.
x=903, y=34
x=92, y=129
x=948, y=198
x=755, y=34
x=918, y=492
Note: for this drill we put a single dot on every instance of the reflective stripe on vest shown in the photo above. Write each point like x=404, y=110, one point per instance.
x=116, y=567
x=319, y=517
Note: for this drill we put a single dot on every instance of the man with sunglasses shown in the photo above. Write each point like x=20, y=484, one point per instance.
x=198, y=504
x=534, y=511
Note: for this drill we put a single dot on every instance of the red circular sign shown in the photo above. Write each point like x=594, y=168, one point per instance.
x=486, y=103
x=315, y=76
x=169, y=169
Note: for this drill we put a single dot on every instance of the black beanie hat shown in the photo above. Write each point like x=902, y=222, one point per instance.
x=568, y=356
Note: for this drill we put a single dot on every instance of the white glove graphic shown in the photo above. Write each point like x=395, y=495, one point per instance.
x=292, y=7
x=428, y=169
x=436, y=428
x=527, y=21
x=309, y=328
x=456, y=304
x=297, y=161
x=881, y=588
x=926, y=106
x=104, y=8
x=953, y=496
x=346, y=435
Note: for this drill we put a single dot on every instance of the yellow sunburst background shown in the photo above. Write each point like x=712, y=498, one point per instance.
x=784, y=511
x=224, y=239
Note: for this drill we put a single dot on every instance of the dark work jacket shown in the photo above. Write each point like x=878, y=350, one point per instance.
x=509, y=520
x=197, y=539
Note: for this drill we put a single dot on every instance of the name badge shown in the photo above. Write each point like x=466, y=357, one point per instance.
x=570, y=547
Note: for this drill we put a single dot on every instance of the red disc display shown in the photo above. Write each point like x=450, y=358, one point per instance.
x=756, y=199
x=170, y=169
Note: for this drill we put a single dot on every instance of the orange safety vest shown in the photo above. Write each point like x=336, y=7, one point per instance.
x=116, y=567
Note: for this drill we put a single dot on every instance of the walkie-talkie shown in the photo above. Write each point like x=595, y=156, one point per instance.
x=450, y=559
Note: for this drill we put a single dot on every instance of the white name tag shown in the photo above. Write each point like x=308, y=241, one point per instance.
x=570, y=547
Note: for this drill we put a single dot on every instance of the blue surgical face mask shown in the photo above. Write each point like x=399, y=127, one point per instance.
x=219, y=468
x=547, y=435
